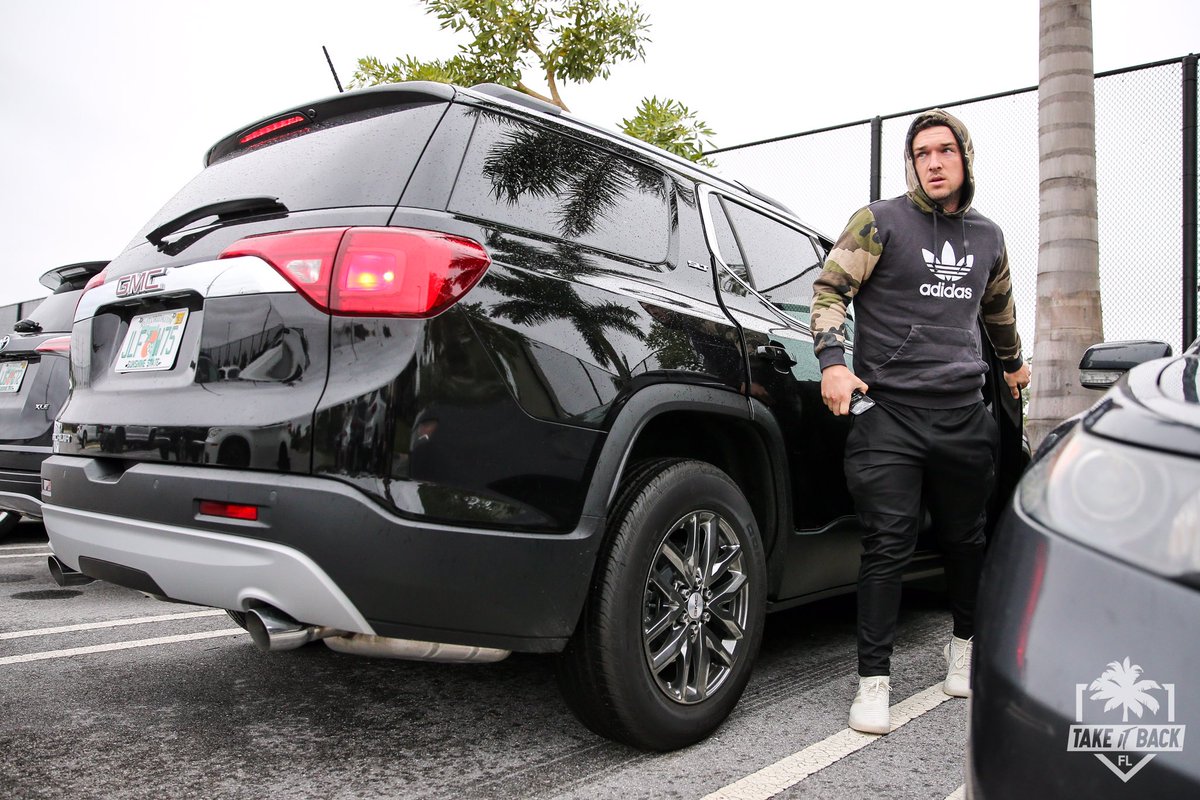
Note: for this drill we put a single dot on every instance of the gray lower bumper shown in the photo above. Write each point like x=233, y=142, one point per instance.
x=20, y=491
x=21, y=503
x=206, y=568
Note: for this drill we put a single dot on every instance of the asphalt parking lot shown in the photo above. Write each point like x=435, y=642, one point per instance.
x=107, y=693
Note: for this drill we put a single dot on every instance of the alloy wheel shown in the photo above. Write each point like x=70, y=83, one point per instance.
x=696, y=607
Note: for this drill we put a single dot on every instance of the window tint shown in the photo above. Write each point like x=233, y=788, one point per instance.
x=362, y=159
x=535, y=179
x=781, y=258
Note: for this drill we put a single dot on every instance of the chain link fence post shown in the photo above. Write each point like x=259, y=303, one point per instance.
x=1189, y=199
x=876, y=157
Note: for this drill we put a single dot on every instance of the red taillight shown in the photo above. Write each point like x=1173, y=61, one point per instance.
x=295, y=119
x=94, y=281
x=396, y=272
x=305, y=258
x=59, y=344
x=215, y=508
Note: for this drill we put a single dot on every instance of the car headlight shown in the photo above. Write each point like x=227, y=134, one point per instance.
x=1139, y=505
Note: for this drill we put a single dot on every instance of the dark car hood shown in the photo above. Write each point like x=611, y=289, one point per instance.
x=1157, y=405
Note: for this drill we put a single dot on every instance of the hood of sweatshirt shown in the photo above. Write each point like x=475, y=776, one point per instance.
x=916, y=193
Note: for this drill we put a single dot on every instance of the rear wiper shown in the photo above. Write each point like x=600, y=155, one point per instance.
x=224, y=210
x=27, y=326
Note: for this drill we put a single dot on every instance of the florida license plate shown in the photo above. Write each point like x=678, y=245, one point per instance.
x=152, y=342
x=11, y=375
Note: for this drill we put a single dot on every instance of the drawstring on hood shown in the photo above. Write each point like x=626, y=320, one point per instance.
x=917, y=306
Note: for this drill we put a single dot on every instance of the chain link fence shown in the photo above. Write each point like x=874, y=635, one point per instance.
x=824, y=176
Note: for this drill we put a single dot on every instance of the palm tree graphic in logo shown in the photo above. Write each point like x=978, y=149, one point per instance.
x=945, y=266
x=1119, y=686
x=1127, y=747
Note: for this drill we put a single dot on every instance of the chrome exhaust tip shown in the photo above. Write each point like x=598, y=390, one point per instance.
x=64, y=575
x=271, y=630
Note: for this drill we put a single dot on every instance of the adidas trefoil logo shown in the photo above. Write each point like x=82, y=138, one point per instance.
x=947, y=268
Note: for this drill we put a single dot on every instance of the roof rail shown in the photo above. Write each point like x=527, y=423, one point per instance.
x=517, y=98
x=766, y=198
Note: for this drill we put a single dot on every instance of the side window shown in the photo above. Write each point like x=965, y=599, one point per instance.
x=783, y=262
x=544, y=181
x=727, y=244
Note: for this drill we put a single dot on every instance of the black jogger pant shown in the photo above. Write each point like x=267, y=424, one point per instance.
x=900, y=460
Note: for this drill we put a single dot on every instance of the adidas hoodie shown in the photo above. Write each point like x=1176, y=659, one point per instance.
x=920, y=279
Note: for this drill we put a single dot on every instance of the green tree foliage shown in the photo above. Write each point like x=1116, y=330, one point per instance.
x=670, y=125
x=572, y=41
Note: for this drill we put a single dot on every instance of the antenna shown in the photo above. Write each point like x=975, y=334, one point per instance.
x=331, y=69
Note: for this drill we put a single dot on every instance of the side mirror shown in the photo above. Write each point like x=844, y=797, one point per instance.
x=1104, y=364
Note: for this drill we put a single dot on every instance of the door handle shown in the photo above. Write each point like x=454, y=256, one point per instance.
x=777, y=356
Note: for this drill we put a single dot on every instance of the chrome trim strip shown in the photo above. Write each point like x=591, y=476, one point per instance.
x=710, y=237
x=224, y=277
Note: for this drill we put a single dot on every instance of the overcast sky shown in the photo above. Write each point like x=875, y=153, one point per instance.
x=108, y=107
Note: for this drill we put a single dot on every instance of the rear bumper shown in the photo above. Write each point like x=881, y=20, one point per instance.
x=20, y=491
x=207, y=568
x=1053, y=616
x=320, y=551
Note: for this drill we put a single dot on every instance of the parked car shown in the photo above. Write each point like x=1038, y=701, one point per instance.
x=1089, y=613
x=507, y=381
x=33, y=387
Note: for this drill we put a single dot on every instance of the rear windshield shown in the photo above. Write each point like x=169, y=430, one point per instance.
x=361, y=159
x=56, y=312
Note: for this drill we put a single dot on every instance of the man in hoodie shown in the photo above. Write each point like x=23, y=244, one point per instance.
x=920, y=268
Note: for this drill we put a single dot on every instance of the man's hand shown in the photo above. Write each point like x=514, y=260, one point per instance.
x=837, y=382
x=1016, y=380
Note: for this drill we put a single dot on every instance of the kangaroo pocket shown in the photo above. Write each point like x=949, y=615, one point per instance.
x=934, y=358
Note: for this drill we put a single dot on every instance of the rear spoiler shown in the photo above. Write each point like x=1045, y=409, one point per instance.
x=70, y=276
x=297, y=119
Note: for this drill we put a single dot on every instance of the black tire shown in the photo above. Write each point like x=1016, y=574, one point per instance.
x=8, y=522
x=649, y=629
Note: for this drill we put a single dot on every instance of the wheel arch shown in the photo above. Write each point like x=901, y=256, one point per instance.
x=735, y=434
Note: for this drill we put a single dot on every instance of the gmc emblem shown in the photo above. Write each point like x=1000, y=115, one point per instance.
x=140, y=282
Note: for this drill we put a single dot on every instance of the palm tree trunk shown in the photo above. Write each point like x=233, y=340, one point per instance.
x=1068, y=285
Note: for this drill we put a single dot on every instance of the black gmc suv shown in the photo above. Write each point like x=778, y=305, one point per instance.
x=440, y=373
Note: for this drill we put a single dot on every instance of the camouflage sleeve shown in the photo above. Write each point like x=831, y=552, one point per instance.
x=846, y=269
x=1000, y=316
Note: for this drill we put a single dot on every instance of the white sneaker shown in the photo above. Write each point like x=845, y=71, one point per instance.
x=958, y=667
x=869, y=712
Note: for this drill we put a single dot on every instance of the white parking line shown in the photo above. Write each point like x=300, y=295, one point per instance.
x=787, y=772
x=27, y=555
x=105, y=648
x=38, y=546
x=958, y=794
x=112, y=623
